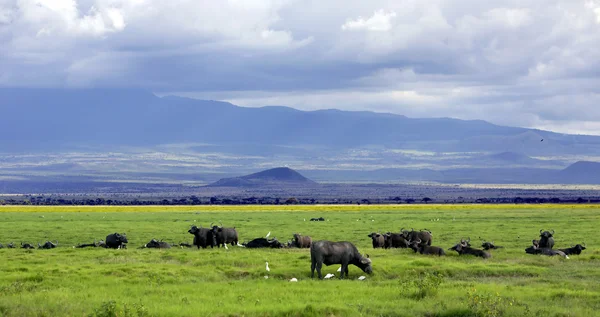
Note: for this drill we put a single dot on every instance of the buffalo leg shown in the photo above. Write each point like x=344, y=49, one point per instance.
x=312, y=268
x=319, y=266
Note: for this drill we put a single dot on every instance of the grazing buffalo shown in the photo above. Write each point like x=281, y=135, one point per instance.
x=546, y=239
x=263, y=243
x=378, y=240
x=425, y=235
x=576, y=250
x=394, y=240
x=157, y=244
x=203, y=237
x=490, y=246
x=225, y=235
x=344, y=253
x=463, y=248
x=317, y=219
x=301, y=241
x=116, y=241
x=417, y=246
x=47, y=245
x=26, y=246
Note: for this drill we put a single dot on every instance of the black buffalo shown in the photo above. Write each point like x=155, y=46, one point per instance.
x=394, y=240
x=317, y=219
x=89, y=245
x=47, y=245
x=225, y=235
x=11, y=245
x=576, y=250
x=463, y=248
x=490, y=246
x=1, y=246
x=301, y=241
x=203, y=237
x=417, y=246
x=263, y=243
x=116, y=241
x=534, y=249
x=185, y=245
x=27, y=246
x=378, y=240
x=546, y=239
x=155, y=244
x=344, y=253
x=424, y=235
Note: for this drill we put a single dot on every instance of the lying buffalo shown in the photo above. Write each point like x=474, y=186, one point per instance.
x=576, y=250
x=490, y=246
x=185, y=245
x=47, y=245
x=155, y=244
x=301, y=241
x=88, y=245
x=11, y=245
x=544, y=251
x=116, y=241
x=317, y=219
x=378, y=240
x=395, y=240
x=225, y=235
x=417, y=246
x=463, y=248
x=27, y=246
x=263, y=243
x=344, y=253
x=203, y=237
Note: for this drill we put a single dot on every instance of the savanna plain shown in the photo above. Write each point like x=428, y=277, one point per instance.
x=218, y=282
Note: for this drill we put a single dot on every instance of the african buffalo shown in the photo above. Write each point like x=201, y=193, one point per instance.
x=11, y=245
x=263, y=243
x=417, y=246
x=157, y=244
x=225, y=235
x=1, y=246
x=26, y=246
x=203, y=237
x=534, y=249
x=425, y=235
x=47, y=245
x=576, y=250
x=301, y=241
x=116, y=241
x=546, y=239
x=86, y=245
x=394, y=240
x=344, y=253
x=378, y=240
x=490, y=246
x=317, y=219
x=185, y=245
x=463, y=248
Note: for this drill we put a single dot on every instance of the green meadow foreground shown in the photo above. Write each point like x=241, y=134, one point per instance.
x=218, y=282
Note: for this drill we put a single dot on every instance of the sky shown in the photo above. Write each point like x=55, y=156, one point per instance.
x=528, y=63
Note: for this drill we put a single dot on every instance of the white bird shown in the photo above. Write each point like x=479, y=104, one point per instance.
x=266, y=277
x=268, y=234
x=340, y=269
x=329, y=275
x=267, y=267
x=362, y=278
x=294, y=280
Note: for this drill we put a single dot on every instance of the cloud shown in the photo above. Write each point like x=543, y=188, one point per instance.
x=528, y=63
x=380, y=21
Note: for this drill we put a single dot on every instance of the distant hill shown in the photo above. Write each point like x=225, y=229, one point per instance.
x=582, y=172
x=50, y=119
x=281, y=176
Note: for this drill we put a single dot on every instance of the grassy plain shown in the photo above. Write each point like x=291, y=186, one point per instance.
x=218, y=282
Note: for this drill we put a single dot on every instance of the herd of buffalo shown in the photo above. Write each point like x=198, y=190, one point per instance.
x=328, y=252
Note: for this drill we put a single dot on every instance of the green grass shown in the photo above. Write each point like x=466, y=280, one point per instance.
x=218, y=282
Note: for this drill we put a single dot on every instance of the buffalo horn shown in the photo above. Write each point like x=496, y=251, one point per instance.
x=552, y=231
x=584, y=244
x=211, y=224
x=221, y=224
x=541, y=231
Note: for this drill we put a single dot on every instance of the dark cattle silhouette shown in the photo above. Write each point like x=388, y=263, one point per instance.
x=343, y=252
x=203, y=237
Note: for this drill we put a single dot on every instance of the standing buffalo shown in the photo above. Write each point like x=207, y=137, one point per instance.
x=463, y=248
x=425, y=235
x=546, y=239
x=378, y=240
x=263, y=243
x=574, y=249
x=203, y=237
x=417, y=246
x=116, y=241
x=47, y=245
x=344, y=253
x=157, y=244
x=225, y=235
x=395, y=240
x=301, y=241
